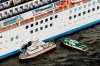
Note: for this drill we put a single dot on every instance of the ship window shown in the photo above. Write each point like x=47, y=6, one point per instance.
x=21, y=7
x=79, y=14
x=56, y=16
x=84, y=6
x=36, y=2
x=70, y=11
x=88, y=11
x=89, y=4
x=98, y=7
x=79, y=8
x=16, y=9
x=0, y=42
x=93, y=9
x=31, y=25
x=70, y=17
x=11, y=11
x=51, y=24
x=98, y=1
x=74, y=16
x=46, y=20
x=41, y=21
x=75, y=9
x=12, y=39
x=31, y=31
x=36, y=30
x=0, y=36
x=41, y=28
x=93, y=3
x=27, y=27
x=51, y=18
x=16, y=37
x=46, y=26
x=84, y=12
x=36, y=23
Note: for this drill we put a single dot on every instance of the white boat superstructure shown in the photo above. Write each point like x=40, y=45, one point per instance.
x=44, y=22
x=36, y=48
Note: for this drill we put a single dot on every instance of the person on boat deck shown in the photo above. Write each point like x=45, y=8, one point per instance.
x=24, y=47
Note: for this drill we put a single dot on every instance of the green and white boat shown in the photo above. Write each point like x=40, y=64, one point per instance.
x=74, y=44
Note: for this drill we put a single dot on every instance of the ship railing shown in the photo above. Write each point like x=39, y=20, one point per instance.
x=27, y=21
x=19, y=10
x=69, y=5
x=10, y=4
x=5, y=28
x=1, y=1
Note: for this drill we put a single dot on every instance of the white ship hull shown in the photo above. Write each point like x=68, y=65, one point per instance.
x=61, y=25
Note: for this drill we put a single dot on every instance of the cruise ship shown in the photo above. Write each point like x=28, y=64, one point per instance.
x=22, y=21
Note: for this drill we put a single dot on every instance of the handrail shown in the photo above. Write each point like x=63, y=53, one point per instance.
x=13, y=5
x=26, y=10
x=1, y=1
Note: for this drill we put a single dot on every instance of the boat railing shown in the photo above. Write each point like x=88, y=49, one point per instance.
x=63, y=5
x=1, y=1
x=26, y=21
x=19, y=10
x=5, y=28
x=10, y=4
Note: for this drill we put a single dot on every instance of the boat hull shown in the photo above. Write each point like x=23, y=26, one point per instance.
x=37, y=53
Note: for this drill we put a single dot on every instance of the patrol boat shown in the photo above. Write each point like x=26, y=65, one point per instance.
x=23, y=20
x=36, y=48
x=74, y=44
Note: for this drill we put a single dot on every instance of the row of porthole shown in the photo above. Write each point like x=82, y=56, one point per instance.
x=89, y=4
x=41, y=28
x=11, y=39
x=80, y=19
x=84, y=12
x=41, y=21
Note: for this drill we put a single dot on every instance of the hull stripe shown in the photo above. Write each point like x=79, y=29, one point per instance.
x=62, y=34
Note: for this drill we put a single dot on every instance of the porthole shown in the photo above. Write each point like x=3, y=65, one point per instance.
x=36, y=30
x=0, y=36
x=56, y=16
x=89, y=4
x=88, y=11
x=41, y=28
x=51, y=18
x=41, y=21
x=12, y=39
x=84, y=12
x=93, y=9
x=79, y=14
x=74, y=16
x=27, y=27
x=98, y=7
x=93, y=3
x=16, y=37
x=46, y=26
x=31, y=31
x=36, y=23
x=84, y=6
x=31, y=25
x=51, y=24
x=70, y=17
x=46, y=20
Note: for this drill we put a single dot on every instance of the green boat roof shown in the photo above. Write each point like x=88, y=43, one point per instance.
x=74, y=43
